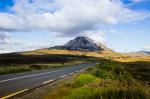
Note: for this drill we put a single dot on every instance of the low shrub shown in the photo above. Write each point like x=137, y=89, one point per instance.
x=82, y=93
x=35, y=67
x=97, y=93
x=103, y=74
x=9, y=70
x=83, y=79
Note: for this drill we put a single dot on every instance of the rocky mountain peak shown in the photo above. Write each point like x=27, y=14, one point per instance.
x=82, y=43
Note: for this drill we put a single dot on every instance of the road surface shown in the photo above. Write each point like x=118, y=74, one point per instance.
x=18, y=82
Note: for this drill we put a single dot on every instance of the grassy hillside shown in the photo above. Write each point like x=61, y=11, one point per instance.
x=17, y=68
x=103, y=54
x=8, y=59
x=17, y=62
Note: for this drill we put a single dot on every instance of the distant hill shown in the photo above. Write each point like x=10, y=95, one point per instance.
x=140, y=53
x=82, y=43
x=145, y=52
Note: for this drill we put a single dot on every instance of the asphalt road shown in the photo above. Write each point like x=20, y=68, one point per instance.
x=12, y=83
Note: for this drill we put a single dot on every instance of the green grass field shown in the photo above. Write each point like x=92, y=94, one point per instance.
x=17, y=68
x=15, y=63
x=107, y=80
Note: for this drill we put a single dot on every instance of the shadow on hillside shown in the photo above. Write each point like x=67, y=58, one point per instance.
x=8, y=59
x=139, y=69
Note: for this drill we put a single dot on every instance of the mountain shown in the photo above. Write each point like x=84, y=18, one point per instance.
x=82, y=43
x=140, y=53
x=145, y=52
x=79, y=46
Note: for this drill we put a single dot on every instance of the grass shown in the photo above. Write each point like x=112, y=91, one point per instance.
x=83, y=79
x=140, y=70
x=97, y=93
x=103, y=74
x=8, y=70
x=16, y=68
x=107, y=80
x=38, y=60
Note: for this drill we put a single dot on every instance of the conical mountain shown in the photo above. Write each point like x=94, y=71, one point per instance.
x=82, y=43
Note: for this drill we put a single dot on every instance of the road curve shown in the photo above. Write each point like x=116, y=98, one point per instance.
x=12, y=83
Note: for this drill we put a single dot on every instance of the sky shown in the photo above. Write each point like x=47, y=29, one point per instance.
x=122, y=25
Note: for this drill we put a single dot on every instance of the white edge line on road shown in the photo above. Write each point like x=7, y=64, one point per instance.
x=71, y=73
x=30, y=76
x=63, y=76
x=48, y=81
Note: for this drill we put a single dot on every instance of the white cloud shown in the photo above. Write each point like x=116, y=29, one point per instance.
x=97, y=36
x=6, y=39
x=66, y=16
x=8, y=43
x=146, y=48
x=4, y=51
x=4, y=36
